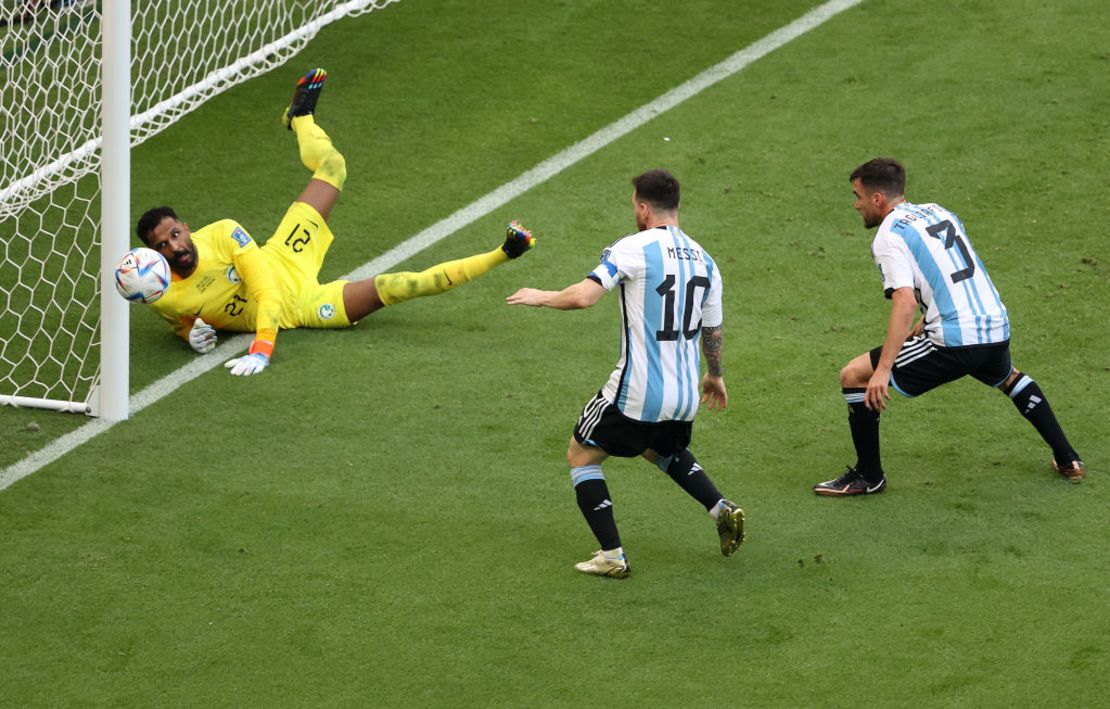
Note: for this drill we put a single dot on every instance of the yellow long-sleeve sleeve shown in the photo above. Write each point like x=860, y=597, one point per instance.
x=263, y=290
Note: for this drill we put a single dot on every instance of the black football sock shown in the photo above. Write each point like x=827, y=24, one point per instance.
x=1031, y=402
x=596, y=506
x=683, y=468
x=864, y=424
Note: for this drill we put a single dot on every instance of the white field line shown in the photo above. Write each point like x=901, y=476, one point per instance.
x=453, y=223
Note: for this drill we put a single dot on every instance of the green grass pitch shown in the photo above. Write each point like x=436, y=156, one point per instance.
x=384, y=517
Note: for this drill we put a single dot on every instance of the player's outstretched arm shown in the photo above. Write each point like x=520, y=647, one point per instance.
x=576, y=297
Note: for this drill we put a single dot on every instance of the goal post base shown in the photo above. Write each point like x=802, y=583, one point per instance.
x=30, y=402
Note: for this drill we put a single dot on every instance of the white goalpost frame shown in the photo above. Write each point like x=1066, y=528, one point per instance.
x=108, y=397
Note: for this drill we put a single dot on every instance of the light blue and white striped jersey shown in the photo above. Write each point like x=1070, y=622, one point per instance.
x=925, y=247
x=670, y=288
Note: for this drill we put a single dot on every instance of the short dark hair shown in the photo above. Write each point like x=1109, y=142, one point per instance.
x=658, y=188
x=151, y=219
x=885, y=175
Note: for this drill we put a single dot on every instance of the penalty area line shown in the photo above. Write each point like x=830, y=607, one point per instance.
x=446, y=227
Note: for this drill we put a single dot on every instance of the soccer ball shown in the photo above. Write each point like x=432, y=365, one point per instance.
x=142, y=275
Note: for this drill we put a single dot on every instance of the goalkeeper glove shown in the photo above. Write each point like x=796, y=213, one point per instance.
x=253, y=362
x=202, y=337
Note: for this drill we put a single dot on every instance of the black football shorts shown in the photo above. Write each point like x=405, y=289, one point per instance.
x=922, y=365
x=604, y=426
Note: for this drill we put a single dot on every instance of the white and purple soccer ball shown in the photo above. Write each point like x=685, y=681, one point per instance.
x=142, y=275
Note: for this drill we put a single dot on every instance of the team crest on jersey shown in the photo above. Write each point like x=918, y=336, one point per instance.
x=233, y=275
x=241, y=237
x=327, y=311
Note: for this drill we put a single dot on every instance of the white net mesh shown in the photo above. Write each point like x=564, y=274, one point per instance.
x=182, y=53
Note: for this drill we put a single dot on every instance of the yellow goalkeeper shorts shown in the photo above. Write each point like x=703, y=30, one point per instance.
x=296, y=251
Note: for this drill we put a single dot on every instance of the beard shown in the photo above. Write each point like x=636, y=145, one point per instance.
x=870, y=221
x=184, y=262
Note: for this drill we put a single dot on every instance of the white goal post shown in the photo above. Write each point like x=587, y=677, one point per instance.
x=83, y=82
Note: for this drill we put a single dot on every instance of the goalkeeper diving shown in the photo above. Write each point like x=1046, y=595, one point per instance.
x=223, y=280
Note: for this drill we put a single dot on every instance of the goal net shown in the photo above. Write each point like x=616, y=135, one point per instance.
x=182, y=52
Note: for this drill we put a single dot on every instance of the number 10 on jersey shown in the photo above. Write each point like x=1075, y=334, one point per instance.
x=667, y=290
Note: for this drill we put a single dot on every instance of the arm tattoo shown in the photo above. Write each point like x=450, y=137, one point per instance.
x=711, y=346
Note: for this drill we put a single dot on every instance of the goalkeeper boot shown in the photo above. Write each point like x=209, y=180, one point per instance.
x=517, y=240
x=308, y=91
x=730, y=527
x=602, y=565
x=1073, y=471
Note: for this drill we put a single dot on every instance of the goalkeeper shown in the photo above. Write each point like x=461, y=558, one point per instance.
x=222, y=279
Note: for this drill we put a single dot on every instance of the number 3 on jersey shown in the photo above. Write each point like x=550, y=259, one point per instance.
x=667, y=290
x=946, y=231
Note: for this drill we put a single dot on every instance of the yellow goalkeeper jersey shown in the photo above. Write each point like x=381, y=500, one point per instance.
x=233, y=287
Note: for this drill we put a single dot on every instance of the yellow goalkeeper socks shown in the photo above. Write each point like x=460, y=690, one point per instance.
x=396, y=288
x=318, y=154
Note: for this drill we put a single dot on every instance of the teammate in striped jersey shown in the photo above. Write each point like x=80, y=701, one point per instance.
x=222, y=279
x=670, y=297
x=927, y=261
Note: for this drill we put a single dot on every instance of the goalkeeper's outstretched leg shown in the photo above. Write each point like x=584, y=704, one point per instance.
x=329, y=172
x=329, y=169
x=360, y=298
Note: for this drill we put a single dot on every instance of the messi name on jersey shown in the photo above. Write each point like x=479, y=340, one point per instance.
x=684, y=253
